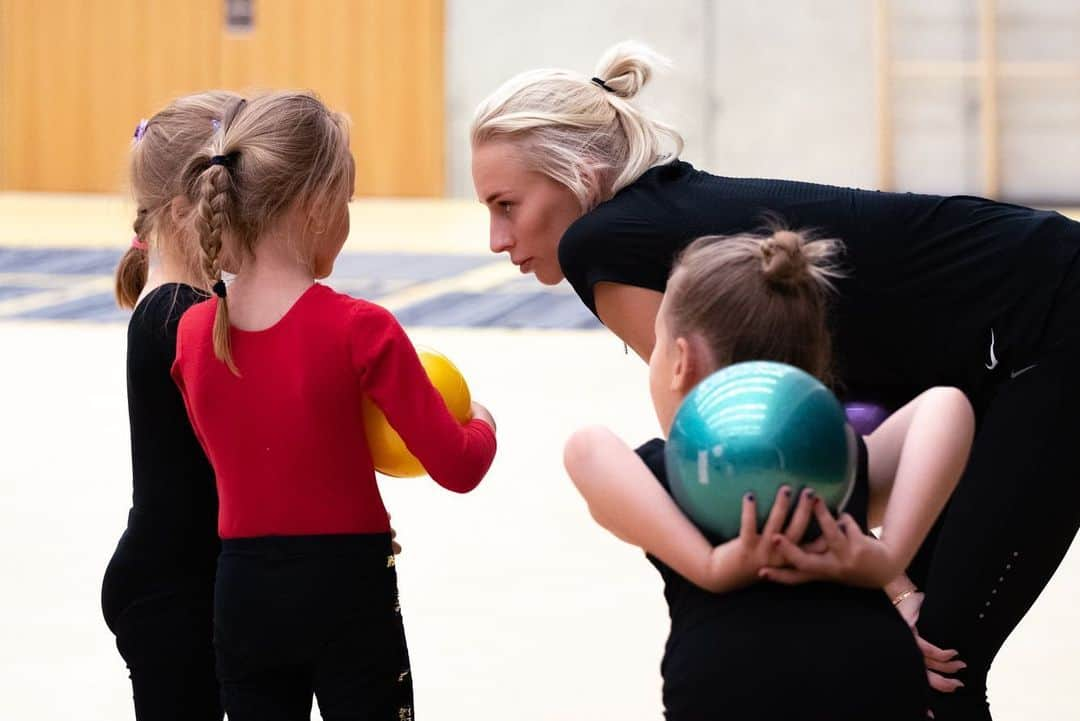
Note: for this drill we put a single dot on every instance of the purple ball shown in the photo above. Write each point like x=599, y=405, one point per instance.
x=865, y=417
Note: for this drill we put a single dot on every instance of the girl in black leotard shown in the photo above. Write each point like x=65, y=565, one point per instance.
x=740, y=648
x=954, y=291
x=157, y=595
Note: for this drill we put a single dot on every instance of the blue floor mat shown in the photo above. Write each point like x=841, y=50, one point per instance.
x=99, y=307
x=8, y=292
x=500, y=310
x=518, y=303
x=59, y=261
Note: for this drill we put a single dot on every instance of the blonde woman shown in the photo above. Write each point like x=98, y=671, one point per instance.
x=581, y=184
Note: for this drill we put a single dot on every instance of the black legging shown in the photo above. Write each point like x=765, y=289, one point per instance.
x=1013, y=515
x=160, y=607
x=297, y=616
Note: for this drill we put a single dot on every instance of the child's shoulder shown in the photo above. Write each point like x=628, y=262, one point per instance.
x=352, y=309
x=199, y=313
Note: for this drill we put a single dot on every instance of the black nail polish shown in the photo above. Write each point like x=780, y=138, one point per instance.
x=787, y=492
x=810, y=493
x=749, y=496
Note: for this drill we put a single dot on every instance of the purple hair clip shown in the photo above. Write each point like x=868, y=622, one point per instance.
x=140, y=129
x=216, y=124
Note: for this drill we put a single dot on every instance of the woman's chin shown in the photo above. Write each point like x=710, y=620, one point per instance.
x=548, y=277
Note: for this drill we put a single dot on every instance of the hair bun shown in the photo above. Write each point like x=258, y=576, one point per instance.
x=626, y=67
x=783, y=262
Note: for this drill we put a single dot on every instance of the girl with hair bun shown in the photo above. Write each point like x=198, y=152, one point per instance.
x=957, y=291
x=741, y=645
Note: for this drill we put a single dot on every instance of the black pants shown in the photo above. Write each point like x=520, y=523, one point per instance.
x=819, y=652
x=1013, y=515
x=160, y=607
x=297, y=616
x=1008, y=526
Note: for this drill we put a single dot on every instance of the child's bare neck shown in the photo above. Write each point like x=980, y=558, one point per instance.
x=267, y=286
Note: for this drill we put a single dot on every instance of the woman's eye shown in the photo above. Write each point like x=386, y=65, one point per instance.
x=506, y=207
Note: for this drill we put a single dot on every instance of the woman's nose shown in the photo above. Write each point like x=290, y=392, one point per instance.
x=500, y=241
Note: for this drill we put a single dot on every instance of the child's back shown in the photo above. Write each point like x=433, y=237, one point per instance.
x=835, y=647
x=273, y=372
x=286, y=437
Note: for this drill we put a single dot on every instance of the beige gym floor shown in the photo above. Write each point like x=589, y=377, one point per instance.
x=516, y=605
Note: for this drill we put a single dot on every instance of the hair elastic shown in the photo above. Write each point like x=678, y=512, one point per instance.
x=219, y=289
x=138, y=244
x=140, y=130
x=226, y=161
x=600, y=83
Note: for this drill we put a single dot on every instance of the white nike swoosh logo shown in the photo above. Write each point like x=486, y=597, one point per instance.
x=1013, y=374
x=993, y=358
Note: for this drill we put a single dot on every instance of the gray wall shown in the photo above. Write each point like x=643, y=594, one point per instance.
x=786, y=88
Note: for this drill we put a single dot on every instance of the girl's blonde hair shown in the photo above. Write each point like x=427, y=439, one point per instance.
x=757, y=297
x=582, y=133
x=159, y=155
x=273, y=152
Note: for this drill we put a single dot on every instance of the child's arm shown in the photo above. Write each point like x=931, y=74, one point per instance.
x=625, y=498
x=456, y=456
x=916, y=457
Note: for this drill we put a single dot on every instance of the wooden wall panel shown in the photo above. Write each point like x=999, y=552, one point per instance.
x=76, y=76
x=379, y=62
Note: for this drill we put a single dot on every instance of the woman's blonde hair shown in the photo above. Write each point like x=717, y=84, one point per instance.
x=582, y=133
x=273, y=152
x=159, y=154
x=757, y=297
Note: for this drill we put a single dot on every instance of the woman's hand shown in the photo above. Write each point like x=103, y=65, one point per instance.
x=843, y=554
x=738, y=562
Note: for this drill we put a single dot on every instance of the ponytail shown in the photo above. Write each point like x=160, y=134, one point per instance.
x=582, y=132
x=134, y=266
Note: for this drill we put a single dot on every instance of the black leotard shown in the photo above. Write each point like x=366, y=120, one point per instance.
x=770, y=651
x=157, y=595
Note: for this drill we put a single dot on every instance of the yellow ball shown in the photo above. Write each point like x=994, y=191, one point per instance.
x=388, y=452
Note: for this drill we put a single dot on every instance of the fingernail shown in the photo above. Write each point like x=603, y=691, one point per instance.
x=776, y=540
x=749, y=496
x=962, y=666
x=786, y=490
x=810, y=493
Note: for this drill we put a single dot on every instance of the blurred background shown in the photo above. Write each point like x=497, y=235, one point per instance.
x=517, y=605
x=946, y=96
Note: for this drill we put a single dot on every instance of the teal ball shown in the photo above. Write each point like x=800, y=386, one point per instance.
x=754, y=427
